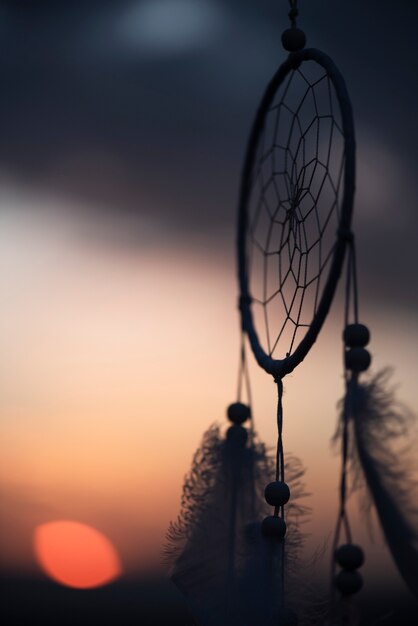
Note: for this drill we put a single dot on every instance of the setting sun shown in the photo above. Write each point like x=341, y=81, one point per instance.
x=76, y=555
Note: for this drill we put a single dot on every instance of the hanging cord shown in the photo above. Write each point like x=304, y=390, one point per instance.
x=351, y=289
x=351, y=307
x=351, y=297
x=293, y=13
x=244, y=381
x=351, y=302
x=280, y=475
x=280, y=455
x=353, y=259
x=350, y=382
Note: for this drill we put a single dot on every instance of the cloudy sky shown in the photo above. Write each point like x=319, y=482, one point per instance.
x=141, y=108
x=122, y=130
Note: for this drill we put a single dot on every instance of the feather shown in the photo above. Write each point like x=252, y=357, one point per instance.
x=209, y=543
x=217, y=555
x=378, y=423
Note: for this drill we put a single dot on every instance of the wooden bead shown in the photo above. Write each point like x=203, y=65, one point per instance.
x=356, y=336
x=348, y=582
x=357, y=359
x=273, y=527
x=238, y=413
x=237, y=436
x=277, y=493
x=293, y=39
x=349, y=556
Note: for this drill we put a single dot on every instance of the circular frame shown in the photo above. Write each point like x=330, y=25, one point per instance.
x=280, y=367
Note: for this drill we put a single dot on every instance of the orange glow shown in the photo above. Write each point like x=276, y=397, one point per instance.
x=116, y=360
x=76, y=555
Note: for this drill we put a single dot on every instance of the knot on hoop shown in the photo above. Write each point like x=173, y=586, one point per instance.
x=294, y=60
x=244, y=301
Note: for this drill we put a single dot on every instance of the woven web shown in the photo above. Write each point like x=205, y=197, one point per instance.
x=294, y=207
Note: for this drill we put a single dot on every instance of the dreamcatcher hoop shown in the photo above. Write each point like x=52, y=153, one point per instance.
x=290, y=197
x=233, y=567
x=280, y=367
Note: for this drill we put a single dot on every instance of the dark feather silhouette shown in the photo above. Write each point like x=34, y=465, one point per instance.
x=378, y=424
x=217, y=555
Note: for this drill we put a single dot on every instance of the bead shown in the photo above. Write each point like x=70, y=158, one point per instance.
x=293, y=39
x=349, y=556
x=273, y=527
x=277, y=493
x=356, y=336
x=348, y=582
x=357, y=359
x=238, y=413
x=237, y=436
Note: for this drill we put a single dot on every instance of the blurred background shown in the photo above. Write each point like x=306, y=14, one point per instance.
x=122, y=131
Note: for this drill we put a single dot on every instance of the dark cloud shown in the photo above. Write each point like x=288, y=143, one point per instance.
x=85, y=113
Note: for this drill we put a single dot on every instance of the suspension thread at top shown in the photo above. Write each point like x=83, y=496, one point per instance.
x=293, y=13
x=293, y=39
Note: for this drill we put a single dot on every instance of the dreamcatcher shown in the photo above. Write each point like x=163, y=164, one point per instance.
x=294, y=234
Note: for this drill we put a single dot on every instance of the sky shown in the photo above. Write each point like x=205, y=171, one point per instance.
x=122, y=131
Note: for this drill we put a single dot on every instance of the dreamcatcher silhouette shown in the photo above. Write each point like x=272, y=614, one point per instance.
x=231, y=554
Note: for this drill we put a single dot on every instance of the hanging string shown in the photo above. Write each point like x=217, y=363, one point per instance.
x=353, y=259
x=342, y=514
x=350, y=295
x=280, y=455
x=351, y=307
x=293, y=13
x=351, y=298
x=351, y=289
x=351, y=301
x=280, y=475
x=244, y=381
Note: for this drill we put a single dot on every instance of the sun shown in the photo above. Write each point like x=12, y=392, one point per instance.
x=76, y=555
